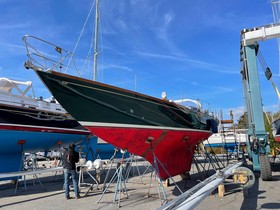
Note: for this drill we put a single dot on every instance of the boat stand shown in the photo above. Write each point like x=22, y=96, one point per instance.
x=81, y=182
x=160, y=184
x=129, y=166
x=61, y=151
x=120, y=185
x=149, y=168
x=210, y=159
x=111, y=164
x=21, y=168
x=204, y=168
x=59, y=162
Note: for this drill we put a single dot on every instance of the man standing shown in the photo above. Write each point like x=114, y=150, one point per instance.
x=70, y=158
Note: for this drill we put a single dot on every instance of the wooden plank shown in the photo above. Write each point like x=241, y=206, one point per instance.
x=221, y=190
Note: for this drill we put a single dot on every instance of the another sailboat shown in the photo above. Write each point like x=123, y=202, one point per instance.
x=276, y=129
x=229, y=140
x=28, y=124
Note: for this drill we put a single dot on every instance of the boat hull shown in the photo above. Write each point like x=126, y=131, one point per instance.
x=277, y=138
x=15, y=141
x=229, y=141
x=276, y=129
x=128, y=119
x=173, y=149
x=35, y=140
x=28, y=129
x=40, y=130
x=87, y=100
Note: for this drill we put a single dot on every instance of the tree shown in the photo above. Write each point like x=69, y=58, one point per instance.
x=243, y=124
x=243, y=121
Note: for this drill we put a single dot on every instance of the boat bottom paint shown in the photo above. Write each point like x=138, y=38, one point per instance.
x=106, y=151
x=178, y=144
x=35, y=141
x=14, y=143
x=10, y=163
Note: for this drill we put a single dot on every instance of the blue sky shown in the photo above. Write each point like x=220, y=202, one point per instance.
x=189, y=49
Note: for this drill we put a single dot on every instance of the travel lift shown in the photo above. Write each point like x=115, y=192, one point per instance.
x=257, y=143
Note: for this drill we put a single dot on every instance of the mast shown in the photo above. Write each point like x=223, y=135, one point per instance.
x=95, y=40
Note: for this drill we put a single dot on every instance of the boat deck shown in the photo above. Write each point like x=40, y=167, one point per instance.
x=263, y=195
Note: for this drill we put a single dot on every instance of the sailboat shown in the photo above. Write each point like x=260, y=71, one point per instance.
x=137, y=123
x=163, y=132
x=229, y=140
x=276, y=129
x=29, y=124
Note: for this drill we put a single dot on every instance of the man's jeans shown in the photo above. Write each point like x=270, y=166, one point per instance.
x=73, y=174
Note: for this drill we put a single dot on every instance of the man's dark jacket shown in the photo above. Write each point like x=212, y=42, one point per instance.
x=67, y=163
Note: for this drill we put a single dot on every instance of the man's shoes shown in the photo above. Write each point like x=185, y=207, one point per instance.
x=68, y=197
x=77, y=197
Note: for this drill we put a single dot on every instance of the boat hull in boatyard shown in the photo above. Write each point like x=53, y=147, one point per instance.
x=31, y=125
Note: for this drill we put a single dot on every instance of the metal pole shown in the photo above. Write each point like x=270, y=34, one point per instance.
x=191, y=198
x=96, y=40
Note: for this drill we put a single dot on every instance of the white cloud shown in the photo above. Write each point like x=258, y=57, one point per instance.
x=195, y=83
x=272, y=108
x=124, y=68
x=16, y=26
x=239, y=111
x=162, y=30
x=197, y=63
x=9, y=45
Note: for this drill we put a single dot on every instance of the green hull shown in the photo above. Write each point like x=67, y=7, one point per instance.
x=90, y=101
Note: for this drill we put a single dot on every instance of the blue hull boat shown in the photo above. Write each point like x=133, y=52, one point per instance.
x=29, y=125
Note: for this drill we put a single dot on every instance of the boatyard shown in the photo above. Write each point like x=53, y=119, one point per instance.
x=155, y=143
x=260, y=196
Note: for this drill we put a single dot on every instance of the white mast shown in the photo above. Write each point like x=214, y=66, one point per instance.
x=95, y=40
